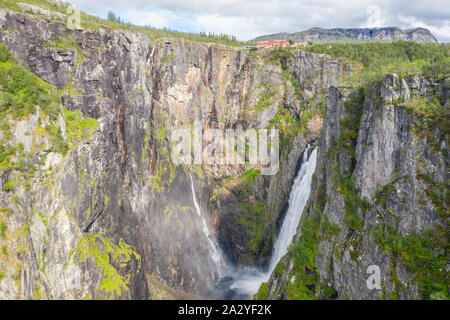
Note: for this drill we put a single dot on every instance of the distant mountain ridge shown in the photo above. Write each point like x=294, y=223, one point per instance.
x=420, y=35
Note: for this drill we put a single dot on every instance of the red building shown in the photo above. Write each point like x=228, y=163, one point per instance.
x=273, y=43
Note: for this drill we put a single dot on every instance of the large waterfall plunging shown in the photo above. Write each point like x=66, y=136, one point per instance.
x=301, y=189
x=244, y=282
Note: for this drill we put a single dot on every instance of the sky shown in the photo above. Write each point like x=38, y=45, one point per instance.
x=247, y=19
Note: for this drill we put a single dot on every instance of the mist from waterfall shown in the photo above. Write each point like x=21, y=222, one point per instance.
x=242, y=283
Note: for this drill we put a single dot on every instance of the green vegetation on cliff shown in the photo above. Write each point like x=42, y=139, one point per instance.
x=377, y=58
x=252, y=216
x=31, y=113
x=430, y=115
x=422, y=253
x=262, y=292
x=112, y=260
x=21, y=91
x=67, y=42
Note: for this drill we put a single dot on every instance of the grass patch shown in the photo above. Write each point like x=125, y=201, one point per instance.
x=21, y=91
x=110, y=259
x=3, y=228
x=262, y=292
x=422, y=253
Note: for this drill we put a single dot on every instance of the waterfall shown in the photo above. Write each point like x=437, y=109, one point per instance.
x=244, y=282
x=301, y=189
x=215, y=251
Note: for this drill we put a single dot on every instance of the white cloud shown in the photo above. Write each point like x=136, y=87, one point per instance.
x=250, y=18
x=229, y=25
x=148, y=18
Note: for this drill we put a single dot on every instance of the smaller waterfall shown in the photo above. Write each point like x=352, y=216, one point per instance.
x=215, y=251
x=242, y=283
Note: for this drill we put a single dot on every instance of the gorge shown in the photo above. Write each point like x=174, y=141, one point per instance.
x=93, y=206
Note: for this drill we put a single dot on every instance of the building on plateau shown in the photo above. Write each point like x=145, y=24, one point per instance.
x=273, y=43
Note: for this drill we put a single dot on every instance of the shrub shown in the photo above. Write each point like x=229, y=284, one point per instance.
x=59, y=144
x=9, y=185
x=4, y=53
x=422, y=253
x=3, y=228
x=21, y=91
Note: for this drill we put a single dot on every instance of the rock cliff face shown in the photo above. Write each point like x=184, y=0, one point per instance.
x=421, y=35
x=93, y=205
x=114, y=216
x=379, y=198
